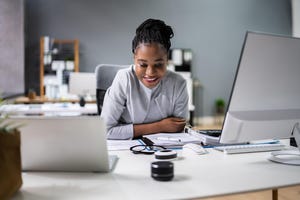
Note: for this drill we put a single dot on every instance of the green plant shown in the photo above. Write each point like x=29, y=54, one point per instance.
x=220, y=105
x=220, y=102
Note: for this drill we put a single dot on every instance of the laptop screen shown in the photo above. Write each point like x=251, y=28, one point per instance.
x=63, y=144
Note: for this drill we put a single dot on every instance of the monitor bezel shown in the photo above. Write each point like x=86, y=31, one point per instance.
x=228, y=115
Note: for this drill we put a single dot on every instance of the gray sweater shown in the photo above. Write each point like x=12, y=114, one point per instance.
x=129, y=102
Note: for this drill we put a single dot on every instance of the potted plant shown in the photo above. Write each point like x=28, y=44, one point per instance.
x=31, y=94
x=10, y=157
x=220, y=106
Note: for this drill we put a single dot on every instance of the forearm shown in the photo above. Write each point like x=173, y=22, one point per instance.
x=167, y=125
x=144, y=129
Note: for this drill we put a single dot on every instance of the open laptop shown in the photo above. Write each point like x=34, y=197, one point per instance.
x=64, y=144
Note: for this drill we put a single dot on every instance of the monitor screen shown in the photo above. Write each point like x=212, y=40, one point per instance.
x=82, y=83
x=265, y=98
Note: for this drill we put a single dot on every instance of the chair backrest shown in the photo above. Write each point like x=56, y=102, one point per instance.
x=105, y=74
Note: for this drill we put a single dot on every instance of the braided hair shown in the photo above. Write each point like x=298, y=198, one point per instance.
x=153, y=31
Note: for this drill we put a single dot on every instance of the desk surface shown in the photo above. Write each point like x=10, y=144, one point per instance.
x=61, y=109
x=196, y=176
x=39, y=100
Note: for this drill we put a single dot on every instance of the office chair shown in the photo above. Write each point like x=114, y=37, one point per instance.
x=105, y=74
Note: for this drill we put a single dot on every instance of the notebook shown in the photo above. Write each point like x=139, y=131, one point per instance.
x=64, y=144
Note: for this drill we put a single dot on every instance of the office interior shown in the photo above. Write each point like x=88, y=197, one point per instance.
x=212, y=30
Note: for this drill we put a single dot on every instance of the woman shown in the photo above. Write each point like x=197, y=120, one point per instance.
x=146, y=98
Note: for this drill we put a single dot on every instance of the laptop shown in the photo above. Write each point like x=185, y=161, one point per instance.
x=64, y=144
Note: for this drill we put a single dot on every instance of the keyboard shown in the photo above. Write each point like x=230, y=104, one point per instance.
x=213, y=133
x=248, y=148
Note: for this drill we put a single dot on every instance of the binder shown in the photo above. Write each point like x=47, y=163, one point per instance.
x=204, y=138
x=170, y=140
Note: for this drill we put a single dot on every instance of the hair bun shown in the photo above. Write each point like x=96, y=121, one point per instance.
x=153, y=30
x=156, y=26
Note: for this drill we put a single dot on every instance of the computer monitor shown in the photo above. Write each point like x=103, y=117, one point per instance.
x=265, y=98
x=82, y=83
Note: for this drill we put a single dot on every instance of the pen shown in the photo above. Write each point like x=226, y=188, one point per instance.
x=169, y=139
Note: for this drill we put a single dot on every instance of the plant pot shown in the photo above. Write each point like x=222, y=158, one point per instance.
x=220, y=110
x=10, y=164
x=31, y=94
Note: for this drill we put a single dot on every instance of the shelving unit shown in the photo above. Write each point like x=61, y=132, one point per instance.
x=57, y=58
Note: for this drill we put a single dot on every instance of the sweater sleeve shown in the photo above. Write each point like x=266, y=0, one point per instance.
x=114, y=105
x=182, y=100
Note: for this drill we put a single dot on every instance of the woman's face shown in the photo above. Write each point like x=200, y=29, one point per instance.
x=150, y=61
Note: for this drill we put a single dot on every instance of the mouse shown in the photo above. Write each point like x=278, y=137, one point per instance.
x=196, y=148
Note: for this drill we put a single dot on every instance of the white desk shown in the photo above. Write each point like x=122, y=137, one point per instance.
x=196, y=176
x=61, y=109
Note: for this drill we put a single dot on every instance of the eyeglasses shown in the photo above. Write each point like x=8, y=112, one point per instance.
x=146, y=149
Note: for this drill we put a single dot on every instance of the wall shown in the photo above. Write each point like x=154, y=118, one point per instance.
x=11, y=47
x=296, y=17
x=213, y=29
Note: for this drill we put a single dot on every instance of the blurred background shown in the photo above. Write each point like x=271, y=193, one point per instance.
x=212, y=31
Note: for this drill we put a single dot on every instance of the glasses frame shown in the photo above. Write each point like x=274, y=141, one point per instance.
x=146, y=149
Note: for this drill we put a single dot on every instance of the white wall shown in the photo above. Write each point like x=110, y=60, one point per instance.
x=11, y=47
x=296, y=17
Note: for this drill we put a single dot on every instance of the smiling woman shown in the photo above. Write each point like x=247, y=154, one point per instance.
x=150, y=47
x=147, y=98
x=150, y=64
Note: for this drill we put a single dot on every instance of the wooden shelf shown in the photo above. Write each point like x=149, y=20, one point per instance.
x=56, y=42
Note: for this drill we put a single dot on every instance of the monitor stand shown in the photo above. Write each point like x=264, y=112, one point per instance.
x=289, y=157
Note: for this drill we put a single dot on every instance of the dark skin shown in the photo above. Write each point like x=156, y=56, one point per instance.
x=151, y=66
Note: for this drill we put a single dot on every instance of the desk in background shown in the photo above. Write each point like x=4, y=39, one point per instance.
x=196, y=176
x=40, y=100
x=58, y=109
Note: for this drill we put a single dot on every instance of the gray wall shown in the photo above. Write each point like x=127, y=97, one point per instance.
x=213, y=29
x=11, y=47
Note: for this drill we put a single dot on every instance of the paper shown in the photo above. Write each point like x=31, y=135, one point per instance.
x=114, y=145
